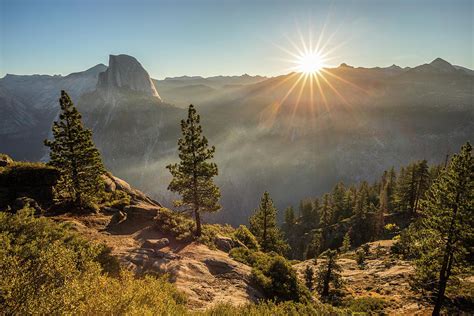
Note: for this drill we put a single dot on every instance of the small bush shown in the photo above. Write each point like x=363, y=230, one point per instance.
x=177, y=225
x=244, y=235
x=117, y=199
x=278, y=279
x=274, y=309
x=391, y=227
x=211, y=231
x=47, y=269
x=360, y=255
x=243, y=255
x=371, y=305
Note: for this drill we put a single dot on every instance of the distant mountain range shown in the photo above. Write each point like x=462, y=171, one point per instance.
x=291, y=135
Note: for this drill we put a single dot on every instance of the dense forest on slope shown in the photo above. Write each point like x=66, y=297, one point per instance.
x=364, y=212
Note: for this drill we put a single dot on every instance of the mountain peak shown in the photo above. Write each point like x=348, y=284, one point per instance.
x=439, y=61
x=125, y=71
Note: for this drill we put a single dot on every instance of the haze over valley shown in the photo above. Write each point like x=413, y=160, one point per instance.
x=270, y=133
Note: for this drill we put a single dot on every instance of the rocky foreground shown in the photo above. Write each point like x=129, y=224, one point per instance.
x=207, y=276
x=210, y=276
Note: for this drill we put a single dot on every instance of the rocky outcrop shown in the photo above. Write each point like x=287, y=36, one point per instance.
x=34, y=181
x=125, y=72
x=113, y=183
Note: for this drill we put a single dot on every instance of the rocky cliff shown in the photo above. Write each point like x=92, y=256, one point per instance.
x=125, y=72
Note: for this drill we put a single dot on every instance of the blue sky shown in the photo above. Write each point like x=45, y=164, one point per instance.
x=172, y=38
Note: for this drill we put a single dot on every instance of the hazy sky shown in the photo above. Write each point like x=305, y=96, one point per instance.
x=172, y=38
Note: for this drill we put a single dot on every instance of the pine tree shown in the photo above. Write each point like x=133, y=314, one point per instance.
x=346, y=243
x=309, y=277
x=329, y=273
x=338, y=194
x=391, y=187
x=308, y=215
x=381, y=211
x=326, y=212
x=423, y=182
x=193, y=175
x=314, y=246
x=290, y=219
x=360, y=220
x=263, y=224
x=445, y=231
x=412, y=185
x=72, y=151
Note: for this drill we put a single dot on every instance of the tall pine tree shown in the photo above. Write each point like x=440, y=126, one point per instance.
x=263, y=224
x=193, y=175
x=72, y=151
x=329, y=273
x=446, y=232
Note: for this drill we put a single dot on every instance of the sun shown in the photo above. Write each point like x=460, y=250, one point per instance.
x=309, y=63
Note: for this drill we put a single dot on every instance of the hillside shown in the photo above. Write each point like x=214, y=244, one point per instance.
x=207, y=276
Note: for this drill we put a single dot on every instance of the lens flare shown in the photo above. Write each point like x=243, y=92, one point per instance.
x=310, y=63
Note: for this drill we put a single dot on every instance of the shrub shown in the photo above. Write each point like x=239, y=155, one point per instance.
x=360, y=256
x=244, y=235
x=274, y=309
x=116, y=199
x=405, y=244
x=46, y=268
x=182, y=228
x=177, y=225
x=211, y=231
x=244, y=255
x=278, y=279
x=372, y=305
x=391, y=227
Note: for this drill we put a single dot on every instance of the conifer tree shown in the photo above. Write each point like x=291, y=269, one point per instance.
x=338, y=194
x=309, y=277
x=381, y=211
x=314, y=246
x=328, y=273
x=391, y=187
x=423, y=182
x=412, y=184
x=445, y=231
x=290, y=219
x=193, y=175
x=263, y=224
x=72, y=151
x=346, y=243
x=326, y=212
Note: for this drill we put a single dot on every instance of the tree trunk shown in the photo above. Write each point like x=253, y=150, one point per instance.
x=198, y=223
x=447, y=262
x=327, y=279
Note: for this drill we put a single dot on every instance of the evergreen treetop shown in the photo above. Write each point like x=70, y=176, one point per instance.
x=73, y=153
x=193, y=175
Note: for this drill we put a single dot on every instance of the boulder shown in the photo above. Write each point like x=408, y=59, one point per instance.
x=216, y=266
x=156, y=244
x=110, y=185
x=113, y=183
x=224, y=243
x=118, y=217
x=141, y=212
x=22, y=202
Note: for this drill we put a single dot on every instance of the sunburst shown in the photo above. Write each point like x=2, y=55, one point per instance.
x=312, y=78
